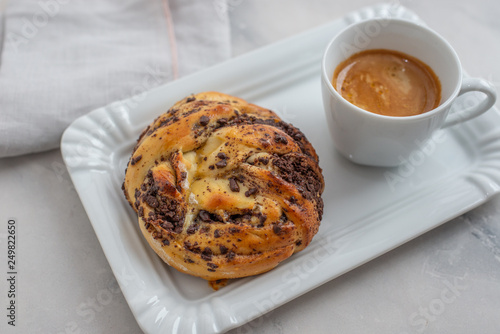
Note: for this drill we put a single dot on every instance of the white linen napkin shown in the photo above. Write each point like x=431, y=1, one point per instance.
x=63, y=58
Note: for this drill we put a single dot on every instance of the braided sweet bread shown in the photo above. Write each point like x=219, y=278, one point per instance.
x=224, y=188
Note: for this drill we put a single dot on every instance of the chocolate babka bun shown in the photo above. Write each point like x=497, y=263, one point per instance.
x=224, y=188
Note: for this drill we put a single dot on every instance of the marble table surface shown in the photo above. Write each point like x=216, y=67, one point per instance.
x=445, y=281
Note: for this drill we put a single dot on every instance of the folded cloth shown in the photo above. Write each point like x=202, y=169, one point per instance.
x=63, y=58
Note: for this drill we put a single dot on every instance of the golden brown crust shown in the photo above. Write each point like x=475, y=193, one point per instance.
x=224, y=188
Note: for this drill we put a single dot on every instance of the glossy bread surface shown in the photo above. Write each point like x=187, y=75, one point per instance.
x=224, y=188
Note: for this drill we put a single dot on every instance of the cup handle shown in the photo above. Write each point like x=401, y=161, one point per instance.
x=467, y=113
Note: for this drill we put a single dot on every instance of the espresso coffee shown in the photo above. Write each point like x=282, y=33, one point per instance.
x=388, y=82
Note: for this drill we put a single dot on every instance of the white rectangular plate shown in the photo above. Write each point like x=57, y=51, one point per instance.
x=368, y=211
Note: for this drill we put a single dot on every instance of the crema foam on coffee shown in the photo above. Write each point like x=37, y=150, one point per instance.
x=388, y=82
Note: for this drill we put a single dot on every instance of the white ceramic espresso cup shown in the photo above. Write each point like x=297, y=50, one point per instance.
x=377, y=140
